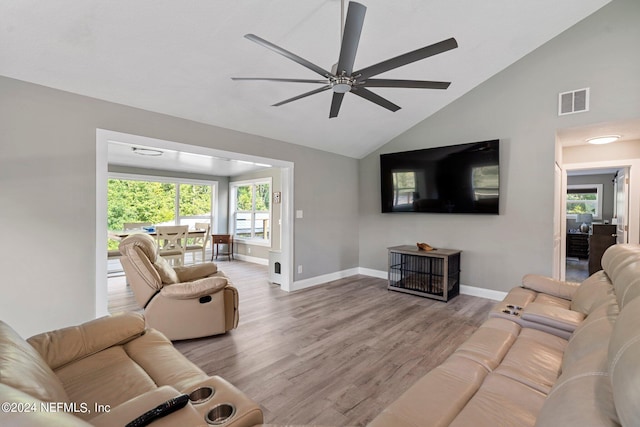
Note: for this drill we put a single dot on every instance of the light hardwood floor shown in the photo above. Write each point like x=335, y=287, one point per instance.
x=334, y=354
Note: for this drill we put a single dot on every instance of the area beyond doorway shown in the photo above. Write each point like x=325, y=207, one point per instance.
x=103, y=140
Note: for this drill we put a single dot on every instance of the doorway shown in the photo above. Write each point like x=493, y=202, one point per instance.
x=102, y=146
x=591, y=203
x=620, y=160
x=623, y=208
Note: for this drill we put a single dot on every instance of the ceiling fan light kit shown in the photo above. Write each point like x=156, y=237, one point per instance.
x=342, y=78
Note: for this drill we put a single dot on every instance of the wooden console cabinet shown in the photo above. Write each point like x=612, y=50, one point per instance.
x=578, y=245
x=432, y=274
x=604, y=235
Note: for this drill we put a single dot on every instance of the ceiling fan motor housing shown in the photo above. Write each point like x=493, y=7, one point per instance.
x=341, y=84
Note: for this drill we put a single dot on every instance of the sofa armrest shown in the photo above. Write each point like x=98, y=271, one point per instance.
x=547, y=285
x=66, y=345
x=552, y=316
x=195, y=289
x=188, y=273
x=132, y=409
x=248, y=413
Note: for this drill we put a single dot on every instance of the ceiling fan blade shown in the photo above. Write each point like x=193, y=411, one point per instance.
x=304, y=95
x=269, y=79
x=336, y=102
x=351, y=37
x=290, y=55
x=406, y=58
x=414, y=84
x=376, y=99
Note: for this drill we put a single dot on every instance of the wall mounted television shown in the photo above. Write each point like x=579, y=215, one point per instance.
x=461, y=178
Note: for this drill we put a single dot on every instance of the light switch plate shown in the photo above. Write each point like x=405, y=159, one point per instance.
x=299, y=213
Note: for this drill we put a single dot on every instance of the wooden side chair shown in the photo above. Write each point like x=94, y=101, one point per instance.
x=172, y=242
x=199, y=243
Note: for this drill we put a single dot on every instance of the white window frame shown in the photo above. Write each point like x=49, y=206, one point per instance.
x=258, y=241
x=599, y=194
x=176, y=204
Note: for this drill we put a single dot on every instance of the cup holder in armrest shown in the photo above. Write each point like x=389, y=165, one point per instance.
x=514, y=307
x=511, y=311
x=220, y=414
x=201, y=394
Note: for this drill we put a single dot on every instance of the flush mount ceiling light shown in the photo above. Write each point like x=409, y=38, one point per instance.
x=146, y=151
x=599, y=140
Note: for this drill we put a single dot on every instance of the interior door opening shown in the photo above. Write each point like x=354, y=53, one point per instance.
x=103, y=137
x=574, y=156
x=595, y=207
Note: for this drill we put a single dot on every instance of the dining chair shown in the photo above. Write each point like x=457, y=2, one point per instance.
x=135, y=225
x=199, y=243
x=172, y=241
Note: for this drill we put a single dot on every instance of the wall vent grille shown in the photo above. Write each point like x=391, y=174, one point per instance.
x=575, y=101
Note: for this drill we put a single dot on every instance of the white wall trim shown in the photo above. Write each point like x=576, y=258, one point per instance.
x=253, y=259
x=102, y=138
x=101, y=289
x=373, y=273
x=482, y=292
x=464, y=289
x=319, y=280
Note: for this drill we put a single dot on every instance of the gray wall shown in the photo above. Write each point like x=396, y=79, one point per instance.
x=48, y=198
x=518, y=106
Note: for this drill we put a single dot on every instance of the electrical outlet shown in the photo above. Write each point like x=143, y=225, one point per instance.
x=300, y=269
x=249, y=251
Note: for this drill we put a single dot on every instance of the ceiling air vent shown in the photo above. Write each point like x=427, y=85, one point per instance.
x=575, y=101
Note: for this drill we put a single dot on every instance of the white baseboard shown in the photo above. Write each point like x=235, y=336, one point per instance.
x=373, y=273
x=464, y=289
x=318, y=280
x=482, y=292
x=253, y=259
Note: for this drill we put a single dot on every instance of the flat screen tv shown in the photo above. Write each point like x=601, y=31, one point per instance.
x=461, y=178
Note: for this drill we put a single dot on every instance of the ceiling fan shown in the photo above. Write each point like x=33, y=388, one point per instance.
x=342, y=78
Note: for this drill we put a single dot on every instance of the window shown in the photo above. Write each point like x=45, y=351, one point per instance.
x=195, y=204
x=158, y=201
x=584, y=199
x=251, y=210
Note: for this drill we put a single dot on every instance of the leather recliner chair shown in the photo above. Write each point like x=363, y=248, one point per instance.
x=182, y=302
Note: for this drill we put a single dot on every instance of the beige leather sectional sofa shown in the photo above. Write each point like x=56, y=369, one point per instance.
x=551, y=354
x=107, y=372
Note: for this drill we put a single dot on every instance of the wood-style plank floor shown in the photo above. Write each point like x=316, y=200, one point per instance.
x=335, y=354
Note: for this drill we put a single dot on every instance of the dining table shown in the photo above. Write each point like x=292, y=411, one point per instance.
x=121, y=234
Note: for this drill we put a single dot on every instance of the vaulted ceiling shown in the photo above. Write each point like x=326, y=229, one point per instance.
x=178, y=57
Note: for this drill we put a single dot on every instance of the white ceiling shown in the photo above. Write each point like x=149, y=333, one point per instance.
x=123, y=154
x=178, y=57
x=628, y=130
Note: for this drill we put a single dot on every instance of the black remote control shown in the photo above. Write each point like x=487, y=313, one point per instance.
x=160, y=411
